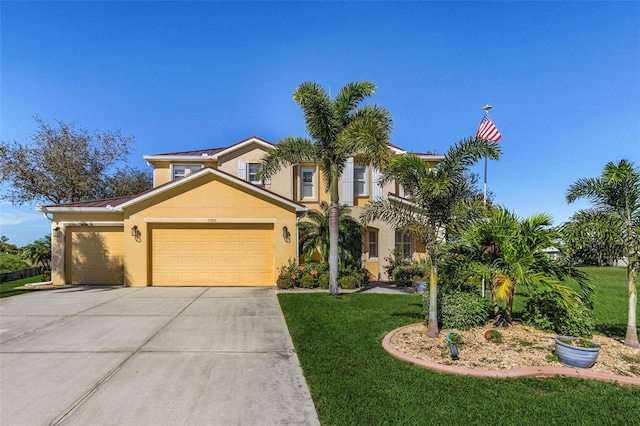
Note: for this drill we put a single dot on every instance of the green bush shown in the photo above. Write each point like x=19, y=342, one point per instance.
x=349, y=282
x=12, y=262
x=406, y=275
x=323, y=280
x=396, y=258
x=307, y=281
x=461, y=310
x=545, y=310
x=316, y=275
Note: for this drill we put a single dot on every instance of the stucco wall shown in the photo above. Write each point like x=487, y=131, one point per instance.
x=204, y=200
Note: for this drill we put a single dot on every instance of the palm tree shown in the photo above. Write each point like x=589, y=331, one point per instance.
x=38, y=252
x=314, y=235
x=438, y=196
x=591, y=237
x=339, y=129
x=509, y=253
x=617, y=192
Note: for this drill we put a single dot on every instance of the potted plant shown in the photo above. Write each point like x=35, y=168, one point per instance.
x=576, y=351
x=420, y=285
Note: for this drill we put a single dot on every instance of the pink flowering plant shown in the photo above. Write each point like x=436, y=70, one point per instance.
x=316, y=275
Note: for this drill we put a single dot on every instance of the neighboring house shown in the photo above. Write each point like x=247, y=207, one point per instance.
x=208, y=221
x=552, y=252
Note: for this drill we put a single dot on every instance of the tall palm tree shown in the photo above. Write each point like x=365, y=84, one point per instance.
x=314, y=235
x=437, y=195
x=617, y=192
x=509, y=253
x=338, y=129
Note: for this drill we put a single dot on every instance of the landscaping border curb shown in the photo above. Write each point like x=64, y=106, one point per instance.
x=536, y=371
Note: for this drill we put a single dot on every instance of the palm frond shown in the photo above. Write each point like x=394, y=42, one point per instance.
x=288, y=151
x=467, y=152
x=502, y=286
x=318, y=110
x=368, y=137
x=350, y=96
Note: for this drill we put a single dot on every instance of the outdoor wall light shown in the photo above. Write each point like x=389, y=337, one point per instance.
x=286, y=234
x=134, y=231
x=56, y=232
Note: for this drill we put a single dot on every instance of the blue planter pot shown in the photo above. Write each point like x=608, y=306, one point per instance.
x=575, y=356
x=421, y=287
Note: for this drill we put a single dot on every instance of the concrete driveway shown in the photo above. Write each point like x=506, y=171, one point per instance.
x=149, y=356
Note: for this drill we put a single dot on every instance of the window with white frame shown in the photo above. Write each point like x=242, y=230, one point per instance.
x=182, y=170
x=307, y=183
x=373, y=243
x=252, y=173
x=404, y=244
x=360, y=180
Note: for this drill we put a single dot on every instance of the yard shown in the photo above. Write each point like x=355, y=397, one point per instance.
x=8, y=289
x=354, y=381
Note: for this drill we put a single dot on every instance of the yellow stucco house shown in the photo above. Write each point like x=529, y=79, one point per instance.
x=209, y=222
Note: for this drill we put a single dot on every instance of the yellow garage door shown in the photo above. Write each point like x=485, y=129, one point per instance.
x=212, y=255
x=95, y=255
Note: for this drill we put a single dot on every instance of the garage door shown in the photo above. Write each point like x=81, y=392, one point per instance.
x=95, y=255
x=212, y=255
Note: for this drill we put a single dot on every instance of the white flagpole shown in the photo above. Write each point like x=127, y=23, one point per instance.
x=486, y=109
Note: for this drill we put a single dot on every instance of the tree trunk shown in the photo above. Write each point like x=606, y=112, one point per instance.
x=334, y=211
x=509, y=307
x=432, y=328
x=631, y=339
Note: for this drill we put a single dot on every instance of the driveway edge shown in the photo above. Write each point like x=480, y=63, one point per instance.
x=536, y=371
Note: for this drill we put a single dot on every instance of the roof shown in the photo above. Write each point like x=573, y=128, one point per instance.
x=120, y=203
x=211, y=153
x=215, y=153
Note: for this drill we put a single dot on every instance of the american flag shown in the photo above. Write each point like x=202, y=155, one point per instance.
x=487, y=130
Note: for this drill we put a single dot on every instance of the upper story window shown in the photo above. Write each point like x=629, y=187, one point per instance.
x=182, y=170
x=249, y=172
x=307, y=183
x=252, y=173
x=360, y=180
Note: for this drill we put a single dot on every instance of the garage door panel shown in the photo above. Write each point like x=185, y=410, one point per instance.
x=212, y=255
x=95, y=255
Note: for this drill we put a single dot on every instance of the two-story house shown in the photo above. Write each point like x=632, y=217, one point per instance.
x=208, y=221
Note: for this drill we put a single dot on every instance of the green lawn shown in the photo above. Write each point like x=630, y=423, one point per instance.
x=7, y=289
x=353, y=381
x=610, y=306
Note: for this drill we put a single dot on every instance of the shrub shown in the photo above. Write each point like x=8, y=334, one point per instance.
x=307, y=281
x=323, y=280
x=396, y=258
x=405, y=275
x=349, y=282
x=316, y=275
x=545, y=310
x=11, y=262
x=287, y=276
x=461, y=310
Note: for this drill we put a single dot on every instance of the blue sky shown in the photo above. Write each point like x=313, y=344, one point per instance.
x=563, y=79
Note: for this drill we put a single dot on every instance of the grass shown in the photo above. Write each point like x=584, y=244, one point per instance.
x=8, y=289
x=353, y=381
x=610, y=306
